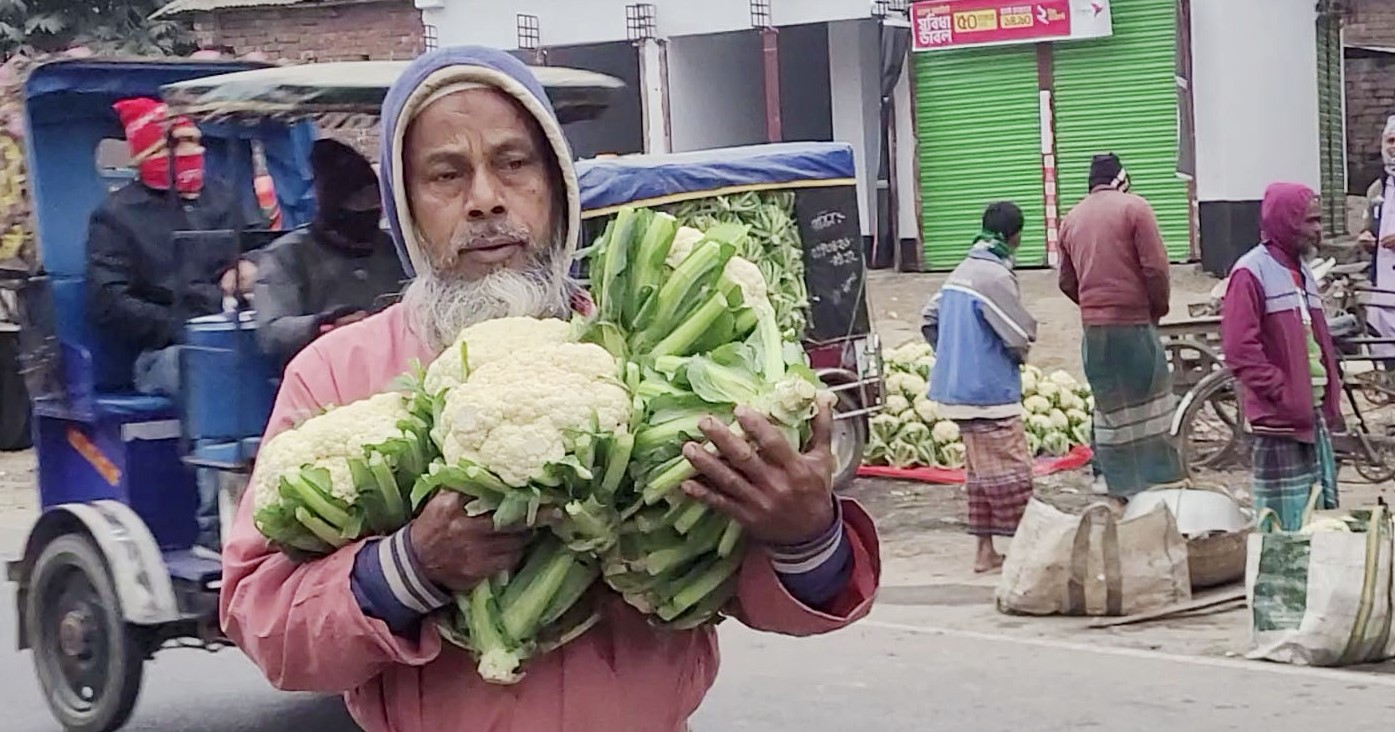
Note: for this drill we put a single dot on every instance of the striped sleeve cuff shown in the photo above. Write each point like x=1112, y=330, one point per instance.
x=816, y=571
x=389, y=583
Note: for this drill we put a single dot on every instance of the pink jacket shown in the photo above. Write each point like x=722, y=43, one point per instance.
x=302, y=626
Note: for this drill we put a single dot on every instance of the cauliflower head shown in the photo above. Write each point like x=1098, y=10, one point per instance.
x=328, y=441
x=684, y=242
x=755, y=291
x=490, y=341
x=514, y=416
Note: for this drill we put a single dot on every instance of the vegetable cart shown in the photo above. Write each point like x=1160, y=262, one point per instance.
x=800, y=201
x=108, y=575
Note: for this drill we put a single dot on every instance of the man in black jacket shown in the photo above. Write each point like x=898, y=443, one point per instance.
x=134, y=288
x=335, y=272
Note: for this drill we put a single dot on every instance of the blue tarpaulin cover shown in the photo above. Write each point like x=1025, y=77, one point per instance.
x=652, y=179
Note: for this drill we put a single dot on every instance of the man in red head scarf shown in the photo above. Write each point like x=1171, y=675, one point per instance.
x=1277, y=343
x=135, y=291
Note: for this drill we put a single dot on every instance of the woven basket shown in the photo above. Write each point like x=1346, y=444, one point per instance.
x=1217, y=560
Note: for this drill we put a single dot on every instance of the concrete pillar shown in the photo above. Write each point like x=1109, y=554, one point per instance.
x=907, y=166
x=653, y=77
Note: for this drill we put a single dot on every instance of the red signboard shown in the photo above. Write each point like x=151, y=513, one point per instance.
x=952, y=23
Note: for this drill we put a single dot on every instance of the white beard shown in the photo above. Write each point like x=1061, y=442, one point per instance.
x=443, y=306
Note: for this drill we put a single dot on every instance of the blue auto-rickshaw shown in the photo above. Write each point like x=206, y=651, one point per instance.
x=108, y=574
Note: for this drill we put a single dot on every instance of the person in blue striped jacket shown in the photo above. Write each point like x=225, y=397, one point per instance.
x=981, y=333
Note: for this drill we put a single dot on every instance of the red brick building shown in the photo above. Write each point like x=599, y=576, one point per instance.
x=1369, y=36
x=306, y=31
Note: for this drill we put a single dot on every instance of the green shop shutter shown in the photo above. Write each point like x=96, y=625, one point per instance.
x=1331, y=124
x=1119, y=94
x=979, y=123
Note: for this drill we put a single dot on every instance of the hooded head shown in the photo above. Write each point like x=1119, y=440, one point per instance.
x=1291, y=218
x=346, y=190
x=1107, y=171
x=145, y=122
x=479, y=189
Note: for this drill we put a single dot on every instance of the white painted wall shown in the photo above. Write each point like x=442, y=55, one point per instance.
x=716, y=91
x=855, y=85
x=1255, y=95
x=907, y=185
x=574, y=22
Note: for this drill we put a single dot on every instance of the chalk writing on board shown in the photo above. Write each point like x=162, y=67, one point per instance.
x=826, y=220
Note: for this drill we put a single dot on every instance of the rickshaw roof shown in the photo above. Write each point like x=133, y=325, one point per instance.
x=69, y=89
x=350, y=93
x=608, y=183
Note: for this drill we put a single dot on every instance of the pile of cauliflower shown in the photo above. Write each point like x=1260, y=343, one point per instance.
x=909, y=431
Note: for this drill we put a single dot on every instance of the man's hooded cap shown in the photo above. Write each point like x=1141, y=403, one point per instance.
x=342, y=175
x=443, y=72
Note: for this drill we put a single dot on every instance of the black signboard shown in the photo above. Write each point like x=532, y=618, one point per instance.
x=834, y=270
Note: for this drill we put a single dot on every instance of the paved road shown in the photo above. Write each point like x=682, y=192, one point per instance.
x=878, y=676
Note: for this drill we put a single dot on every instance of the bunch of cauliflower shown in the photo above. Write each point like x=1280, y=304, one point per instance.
x=341, y=474
x=572, y=429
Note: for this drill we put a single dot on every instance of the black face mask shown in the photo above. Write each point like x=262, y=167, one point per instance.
x=360, y=227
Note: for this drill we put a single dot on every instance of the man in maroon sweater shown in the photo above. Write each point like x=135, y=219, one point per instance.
x=1114, y=266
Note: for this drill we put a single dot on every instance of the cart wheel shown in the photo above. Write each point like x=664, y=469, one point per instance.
x=1212, y=431
x=1376, y=465
x=89, y=661
x=849, y=442
x=1190, y=361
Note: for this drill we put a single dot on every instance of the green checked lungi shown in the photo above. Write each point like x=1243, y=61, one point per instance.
x=1134, y=406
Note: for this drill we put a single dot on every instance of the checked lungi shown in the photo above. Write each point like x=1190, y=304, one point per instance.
x=1285, y=471
x=1134, y=406
x=999, y=474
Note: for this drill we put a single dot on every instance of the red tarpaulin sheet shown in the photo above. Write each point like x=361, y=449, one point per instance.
x=1078, y=457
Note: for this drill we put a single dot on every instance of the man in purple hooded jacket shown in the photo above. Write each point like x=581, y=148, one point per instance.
x=1277, y=343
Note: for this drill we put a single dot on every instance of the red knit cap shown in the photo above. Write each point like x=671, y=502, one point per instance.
x=144, y=120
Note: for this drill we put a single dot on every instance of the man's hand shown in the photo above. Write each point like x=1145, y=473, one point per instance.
x=777, y=495
x=457, y=551
x=1388, y=242
x=239, y=279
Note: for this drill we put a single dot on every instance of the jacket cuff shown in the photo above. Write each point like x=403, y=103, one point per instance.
x=389, y=584
x=816, y=571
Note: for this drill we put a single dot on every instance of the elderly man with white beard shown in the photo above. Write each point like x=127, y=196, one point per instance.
x=483, y=204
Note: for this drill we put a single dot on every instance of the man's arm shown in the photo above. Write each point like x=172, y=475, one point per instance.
x=770, y=598
x=110, y=276
x=283, y=326
x=1067, y=278
x=1242, y=317
x=304, y=624
x=1002, y=308
x=1152, y=260
x=930, y=321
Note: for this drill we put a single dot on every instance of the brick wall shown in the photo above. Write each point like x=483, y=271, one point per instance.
x=372, y=30
x=332, y=31
x=1370, y=82
x=1370, y=101
x=1371, y=23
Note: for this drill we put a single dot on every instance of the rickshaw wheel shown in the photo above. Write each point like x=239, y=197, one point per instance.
x=849, y=442
x=89, y=661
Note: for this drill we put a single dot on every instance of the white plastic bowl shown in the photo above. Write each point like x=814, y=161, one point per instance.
x=1198, y=511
